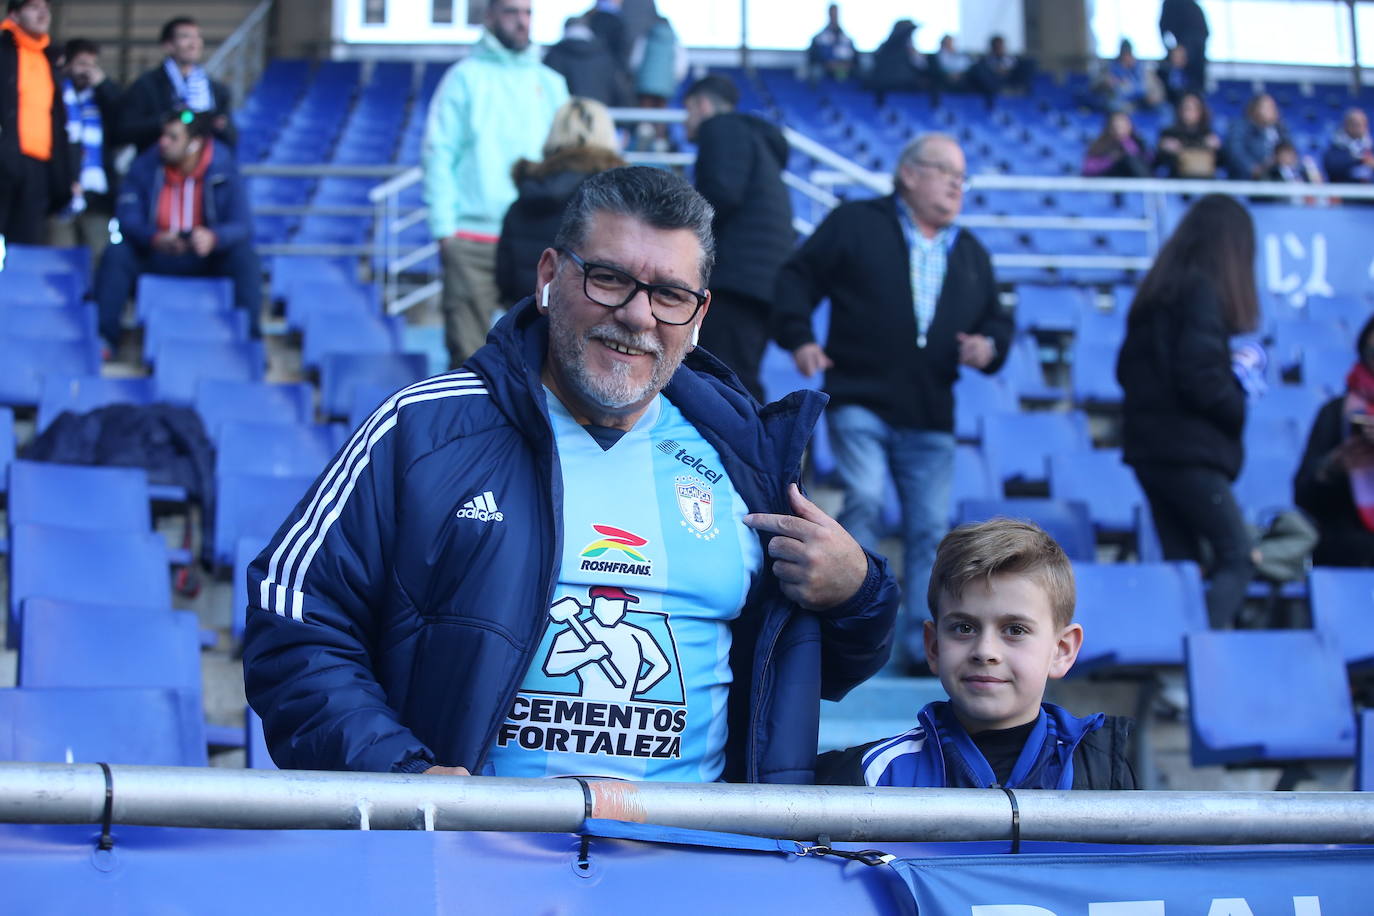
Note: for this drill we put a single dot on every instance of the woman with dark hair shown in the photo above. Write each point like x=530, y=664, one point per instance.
x=1335, y=484
x=1118, y=152
x=1184, y=407
x=1188, y=147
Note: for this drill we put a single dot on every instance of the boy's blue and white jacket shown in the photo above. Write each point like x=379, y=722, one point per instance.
x=1062, y=751
x=388, y=628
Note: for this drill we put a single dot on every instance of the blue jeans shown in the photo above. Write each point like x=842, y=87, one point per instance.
x=922, y=466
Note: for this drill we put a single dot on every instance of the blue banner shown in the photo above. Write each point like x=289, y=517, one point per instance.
x=59, y=870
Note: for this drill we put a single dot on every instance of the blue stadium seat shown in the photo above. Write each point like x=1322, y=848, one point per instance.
x=1067, y=522
x=287, y=269
x=1346, y=311
x=1098, y=479
x=1294, y=403
x=27, y=361
x=1294, y=338
x=207, y=294
x=255, y=744
x=1342, y=600
x=249, y=505
x=7, y=443
x=219, y=401
x=977, y=395
x=181, y=365
x=1025, y=375
x=343, y=332
x=73, y=564
x=341, y=373
x=174, y=323
x=245, y=552
x=46, y=322
x=367, y=398
x=971, y=479
x=1101, y=327
x=1135, y=615
x=70, y=644
x=1267, y=697
x=1094, y=374
x=1265, y=486
x=1364, y=762
x=324, y=294
x=76, y=496
x=1018, y=446
x=43, y=290
x=1270, y=434
x=82, y=394
x=117, y=725
x=1325, y=369
x=46, y=259
x=1052, y=309
x=274, y=449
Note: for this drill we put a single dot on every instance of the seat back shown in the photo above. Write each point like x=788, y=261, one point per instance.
x=1018, y=445
x=70, y=644
x=180, y=365
x=341, y=373
x=82, y=394
x=205, y=294
x=1065, y=521
x=219, y=401
x=27, y=360
x=78, y=496
x=1099, y=479
x=1267, y=696
x=1342, y=600
x=147, y=726
x=1135, y=615
x=274, y=449
x=252, y=505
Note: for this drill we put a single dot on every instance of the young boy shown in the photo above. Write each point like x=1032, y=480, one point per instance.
x=1001, y=599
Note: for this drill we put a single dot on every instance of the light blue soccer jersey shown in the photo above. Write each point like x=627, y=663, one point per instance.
x=632, y=675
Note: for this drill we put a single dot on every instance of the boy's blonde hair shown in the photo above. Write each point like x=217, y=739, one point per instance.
x=581, y=122
x=1003, y=546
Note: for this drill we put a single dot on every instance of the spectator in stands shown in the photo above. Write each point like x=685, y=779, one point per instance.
x=639, y=17
x=92, y=103
x=740, y=159
x=1350, y=157
x=1118, y=152
x=1291, y=167
x=587, y=65
x=659, y=62
x=581, y=142
x=1252, y=141
x=913, y=298
x=606, y=23
x=1125, y=82
x=1001, y=599
x=182, y=210
x=35, y=172
x=832, y=51
x=1188, y=148
x=999, y=70
x=1184, y=407
x=899, y=67
x=953, y=65
x=422, y=629
x=1182, y=23
x=179, y=84
x=490, y=109
x=1335, y=483
x=1174, y=75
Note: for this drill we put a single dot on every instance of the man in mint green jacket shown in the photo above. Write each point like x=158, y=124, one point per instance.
x=491, y=109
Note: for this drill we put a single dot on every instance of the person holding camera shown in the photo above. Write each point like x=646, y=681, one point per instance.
x=182, y=210
x=1335, y=483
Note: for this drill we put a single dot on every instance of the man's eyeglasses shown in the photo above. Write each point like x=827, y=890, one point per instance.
x=613, y=288
x=946, y=171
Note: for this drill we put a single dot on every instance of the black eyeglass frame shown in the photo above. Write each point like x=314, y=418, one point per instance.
x=700, y=296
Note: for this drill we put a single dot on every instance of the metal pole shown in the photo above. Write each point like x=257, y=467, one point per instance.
x=257, y=799
x=744, y=36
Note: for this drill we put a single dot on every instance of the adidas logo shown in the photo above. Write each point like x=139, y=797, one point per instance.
x=482, y=508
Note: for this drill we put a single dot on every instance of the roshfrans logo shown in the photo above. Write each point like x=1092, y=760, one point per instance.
x=616, y=540
x=669, y=447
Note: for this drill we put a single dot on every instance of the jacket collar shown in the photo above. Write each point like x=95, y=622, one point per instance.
x=490, y=48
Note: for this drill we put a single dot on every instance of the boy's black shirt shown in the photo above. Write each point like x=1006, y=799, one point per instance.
x=1002, y=746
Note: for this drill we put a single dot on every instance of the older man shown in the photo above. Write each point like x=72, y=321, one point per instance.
x=581, y=555
x=490, y=109
x=1350, y=157
x=912, y=299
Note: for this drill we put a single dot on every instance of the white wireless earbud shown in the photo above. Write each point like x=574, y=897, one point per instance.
x=545, y=300
x=696, y=334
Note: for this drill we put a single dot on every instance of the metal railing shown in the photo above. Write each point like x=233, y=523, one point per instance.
x=240, y=60
x=212, y=797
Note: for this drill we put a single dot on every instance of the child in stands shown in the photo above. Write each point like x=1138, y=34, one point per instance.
x=1001, y=600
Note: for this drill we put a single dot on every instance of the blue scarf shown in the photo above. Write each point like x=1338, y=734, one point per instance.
x=192, y=91
x=938, y=753
x=84, y=126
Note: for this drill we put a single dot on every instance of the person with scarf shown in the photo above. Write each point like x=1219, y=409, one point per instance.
x=92, y=102
x=34, y=182
x=182, y=210
x=1350, y=157
x=1335, y=483
x=1118, y=152
x=179, y=83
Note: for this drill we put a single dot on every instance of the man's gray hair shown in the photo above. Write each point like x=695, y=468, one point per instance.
x=653, y=196
x=915, y=150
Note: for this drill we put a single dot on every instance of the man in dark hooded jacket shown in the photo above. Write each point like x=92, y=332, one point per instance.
x=740, y=159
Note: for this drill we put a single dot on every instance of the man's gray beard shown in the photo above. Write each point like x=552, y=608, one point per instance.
x=614, y=390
